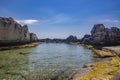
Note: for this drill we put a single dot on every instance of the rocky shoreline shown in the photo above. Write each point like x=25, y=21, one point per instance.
x=107, y=68
x=33, y=44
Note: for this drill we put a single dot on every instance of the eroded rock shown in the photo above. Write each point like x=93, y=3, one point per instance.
x=12, y=32
x=102, y=36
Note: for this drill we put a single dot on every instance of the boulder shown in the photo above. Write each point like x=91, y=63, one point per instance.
x=98, y=34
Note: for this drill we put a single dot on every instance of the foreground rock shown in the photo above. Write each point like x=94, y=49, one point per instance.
x=115, y=49
x=101, y=36
x=103, y=53
x=12, y=33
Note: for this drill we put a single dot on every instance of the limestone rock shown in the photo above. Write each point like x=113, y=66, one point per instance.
x=33, y=37
x=12, y=32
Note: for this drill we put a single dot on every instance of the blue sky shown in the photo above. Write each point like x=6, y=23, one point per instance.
x=61, y=18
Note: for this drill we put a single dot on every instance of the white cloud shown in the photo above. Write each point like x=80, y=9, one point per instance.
x=28, y=21
x=110, y=21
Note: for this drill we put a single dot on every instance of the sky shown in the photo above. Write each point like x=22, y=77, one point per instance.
x=61, y=18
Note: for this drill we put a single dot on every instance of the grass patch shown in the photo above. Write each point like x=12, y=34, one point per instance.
x=102, y=70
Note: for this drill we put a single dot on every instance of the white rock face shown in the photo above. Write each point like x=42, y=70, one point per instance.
x=11, y=31
x=33, y=37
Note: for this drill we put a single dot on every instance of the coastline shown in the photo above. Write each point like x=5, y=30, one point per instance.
x=105, y=69
x=32, y=44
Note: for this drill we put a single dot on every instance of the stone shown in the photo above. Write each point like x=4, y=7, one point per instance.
x=33, y=37
x=102, y=36
x=12, y=32
x=86, y=39
x=116, y=76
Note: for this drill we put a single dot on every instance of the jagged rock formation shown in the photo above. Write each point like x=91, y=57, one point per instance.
x=102, y=36
x=86, y=39
x=13, y=33
x=33, y=37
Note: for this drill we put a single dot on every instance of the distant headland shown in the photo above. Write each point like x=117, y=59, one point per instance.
x=100, y=36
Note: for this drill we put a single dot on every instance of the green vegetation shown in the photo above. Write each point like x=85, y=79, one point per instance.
x=14, y=64
x=102, y=70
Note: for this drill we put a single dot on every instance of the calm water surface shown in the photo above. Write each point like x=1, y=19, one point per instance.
x=48, y=61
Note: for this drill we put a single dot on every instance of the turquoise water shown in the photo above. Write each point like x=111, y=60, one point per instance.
x=47, y=61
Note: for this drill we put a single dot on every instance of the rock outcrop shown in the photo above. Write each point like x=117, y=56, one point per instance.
x=13, y=33
x=102, y=36
x=33, y=37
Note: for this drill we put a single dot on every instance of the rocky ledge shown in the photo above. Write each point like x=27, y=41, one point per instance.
x=12, y=33
x=105, y=69
x=115, y=49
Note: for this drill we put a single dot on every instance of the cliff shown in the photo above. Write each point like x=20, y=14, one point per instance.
x=102, y=36
x=33, y=37
x=12, y=33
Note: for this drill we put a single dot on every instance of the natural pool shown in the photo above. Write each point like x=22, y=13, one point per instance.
x=47, y=61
